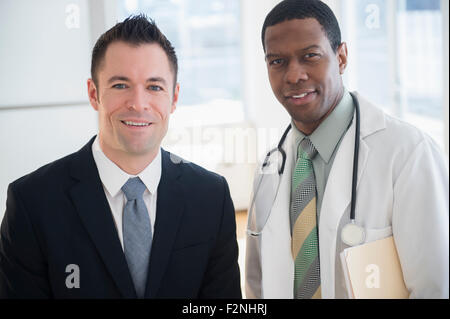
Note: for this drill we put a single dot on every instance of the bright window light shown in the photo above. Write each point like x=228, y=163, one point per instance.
x=395, y=58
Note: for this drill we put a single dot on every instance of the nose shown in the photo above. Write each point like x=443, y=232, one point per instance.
x=139, y=100
x=295, y=73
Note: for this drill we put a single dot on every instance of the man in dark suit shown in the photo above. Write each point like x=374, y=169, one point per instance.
x=122, y=218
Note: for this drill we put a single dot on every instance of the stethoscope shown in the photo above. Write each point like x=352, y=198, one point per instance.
x=351, y=234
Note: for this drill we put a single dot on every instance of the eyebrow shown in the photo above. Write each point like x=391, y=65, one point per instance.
x=271, y=55
x=274, y=55
x=157, y=79
x=125, y=79
x=118, y=78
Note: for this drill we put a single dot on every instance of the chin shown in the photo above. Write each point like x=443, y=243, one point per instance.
x=139, y=150
x=306, y=119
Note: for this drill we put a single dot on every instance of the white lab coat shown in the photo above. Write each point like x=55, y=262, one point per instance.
x=402, y=190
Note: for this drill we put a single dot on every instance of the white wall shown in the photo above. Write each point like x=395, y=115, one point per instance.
x=45, y=52
x=44, y=62
x=32, y=137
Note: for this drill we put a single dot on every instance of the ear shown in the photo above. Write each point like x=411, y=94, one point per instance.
x=93, y=94
x=342, y=57
x=176, y=92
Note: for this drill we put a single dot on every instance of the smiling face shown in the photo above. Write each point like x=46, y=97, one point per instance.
x=304, y=71
x=134, y=98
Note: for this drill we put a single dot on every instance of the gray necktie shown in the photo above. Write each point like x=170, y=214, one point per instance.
x=137, y=233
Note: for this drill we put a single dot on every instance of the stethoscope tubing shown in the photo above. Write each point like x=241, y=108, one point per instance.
x=355, y=159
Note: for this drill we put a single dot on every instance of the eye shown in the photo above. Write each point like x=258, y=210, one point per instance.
x=155, y=88
x=312, y=56
x=276, y=62
x=119, y=86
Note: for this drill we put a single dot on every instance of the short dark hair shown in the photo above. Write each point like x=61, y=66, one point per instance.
x=302, y=9
x=134, y=30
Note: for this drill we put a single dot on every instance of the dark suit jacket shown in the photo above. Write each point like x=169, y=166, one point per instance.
x=59, y=215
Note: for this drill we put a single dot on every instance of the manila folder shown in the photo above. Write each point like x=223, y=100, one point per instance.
x=373, y=270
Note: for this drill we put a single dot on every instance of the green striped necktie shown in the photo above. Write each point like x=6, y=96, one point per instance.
x=304, y=230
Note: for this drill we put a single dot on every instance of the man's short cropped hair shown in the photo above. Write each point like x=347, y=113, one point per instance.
x=134, y=30
x=302, y=9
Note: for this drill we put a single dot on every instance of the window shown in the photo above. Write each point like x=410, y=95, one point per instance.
x=206, y=37
x=396, y=59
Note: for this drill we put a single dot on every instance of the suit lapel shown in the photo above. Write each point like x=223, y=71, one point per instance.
x=170, y=206
x=90, y=201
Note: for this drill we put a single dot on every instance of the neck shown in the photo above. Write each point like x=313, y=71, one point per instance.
x=309, y=128
x=306, y=129
x=130, y=163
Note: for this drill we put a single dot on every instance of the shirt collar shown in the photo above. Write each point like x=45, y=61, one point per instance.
x=326, y=137
x=113, y=177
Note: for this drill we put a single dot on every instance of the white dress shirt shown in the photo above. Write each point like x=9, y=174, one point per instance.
x=113, y=178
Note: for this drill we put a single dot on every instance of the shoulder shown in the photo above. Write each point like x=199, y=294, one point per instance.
x=52, y=178
x=205, y=194
x=394, y=132
x=193, y=176
x=58, y=172
x=395, y=138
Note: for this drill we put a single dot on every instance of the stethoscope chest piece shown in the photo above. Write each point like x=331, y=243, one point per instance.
x=353, y=235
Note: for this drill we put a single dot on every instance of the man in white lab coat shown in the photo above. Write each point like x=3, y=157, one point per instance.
x=402, y=176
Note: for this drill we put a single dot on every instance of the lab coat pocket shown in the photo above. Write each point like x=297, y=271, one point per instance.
x=373, y=234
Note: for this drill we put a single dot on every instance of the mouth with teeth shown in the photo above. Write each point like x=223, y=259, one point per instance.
x=136, y=124
x=302, y=98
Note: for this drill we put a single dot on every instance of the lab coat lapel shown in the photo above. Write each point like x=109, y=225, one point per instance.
x=277, y=262
x=336, y=200
x=337, y=196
